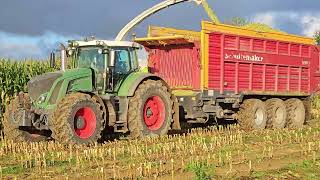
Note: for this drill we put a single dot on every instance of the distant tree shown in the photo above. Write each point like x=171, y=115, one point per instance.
x=238, y=21
x=317, y=37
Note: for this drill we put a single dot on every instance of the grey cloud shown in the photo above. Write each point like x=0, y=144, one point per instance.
x=25, y=46
x=104, y=18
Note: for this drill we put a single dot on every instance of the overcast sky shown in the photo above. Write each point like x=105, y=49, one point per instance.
x=31, y=28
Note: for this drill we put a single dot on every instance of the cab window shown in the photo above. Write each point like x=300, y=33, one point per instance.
x=122, y=61
x=89, y=57
x=134, y=59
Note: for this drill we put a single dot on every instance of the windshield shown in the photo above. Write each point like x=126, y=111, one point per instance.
x=91, y=57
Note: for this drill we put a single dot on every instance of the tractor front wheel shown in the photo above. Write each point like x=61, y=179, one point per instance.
x=78, y=119
x=150, y=110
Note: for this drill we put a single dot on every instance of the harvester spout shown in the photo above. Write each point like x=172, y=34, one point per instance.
x=165, y=4
x=145, y=15
x=209, y=11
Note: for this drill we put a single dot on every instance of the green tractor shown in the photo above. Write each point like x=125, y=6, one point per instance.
x=105, y=88
x=104, y=91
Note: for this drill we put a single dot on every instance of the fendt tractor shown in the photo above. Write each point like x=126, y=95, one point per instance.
x=223, y=73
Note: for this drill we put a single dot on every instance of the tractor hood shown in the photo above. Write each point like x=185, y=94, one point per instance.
x=49, y=85
x=42, y=84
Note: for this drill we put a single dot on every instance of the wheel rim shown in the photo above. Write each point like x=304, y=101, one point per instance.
x=154, y=113
x=259, y=116
x=85, y=123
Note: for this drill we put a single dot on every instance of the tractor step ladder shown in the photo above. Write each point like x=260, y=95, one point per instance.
x=120, y=127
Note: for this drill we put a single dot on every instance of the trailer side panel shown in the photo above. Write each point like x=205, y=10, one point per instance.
x=178, y=65
x=249, y=65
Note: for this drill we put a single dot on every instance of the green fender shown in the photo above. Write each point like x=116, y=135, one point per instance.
x=131, y=83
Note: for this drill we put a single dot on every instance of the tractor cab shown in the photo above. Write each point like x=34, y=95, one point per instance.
x=110, y=61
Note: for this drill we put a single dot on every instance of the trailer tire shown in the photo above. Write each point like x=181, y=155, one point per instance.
x=296, y=114
x=78, y=119
x=252, y=115
x=14, y=132
x=276, y=113
x=150, y=110
x=308, y=108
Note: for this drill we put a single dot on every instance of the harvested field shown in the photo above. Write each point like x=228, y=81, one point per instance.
x=227, y=153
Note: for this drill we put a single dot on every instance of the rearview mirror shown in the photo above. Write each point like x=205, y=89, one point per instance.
x=52, y=59
x=111, y=58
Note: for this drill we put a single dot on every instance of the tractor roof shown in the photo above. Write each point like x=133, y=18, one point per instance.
x=107, y=43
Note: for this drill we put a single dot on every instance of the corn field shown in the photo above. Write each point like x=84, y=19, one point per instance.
x=212, y=153
x=14, y=76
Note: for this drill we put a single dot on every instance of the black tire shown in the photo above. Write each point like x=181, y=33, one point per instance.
x=308, y=108
x=78, y=119
x=13, y=131
x=296, y=113
x=276, y=113
x=137, y=107
x=252, y=115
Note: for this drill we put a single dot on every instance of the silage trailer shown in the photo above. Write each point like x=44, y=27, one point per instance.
x=259, y=79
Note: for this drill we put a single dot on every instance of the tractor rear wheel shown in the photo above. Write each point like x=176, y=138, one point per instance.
x=78, y=119
x=277, y=113
x=150, y=110
x=14, y=113
x=252, y=115
x=296, y=113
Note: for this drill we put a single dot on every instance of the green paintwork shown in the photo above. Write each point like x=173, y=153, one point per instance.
x=145, y=70
x=129, y=82
x=79, y=79
x=83, y=84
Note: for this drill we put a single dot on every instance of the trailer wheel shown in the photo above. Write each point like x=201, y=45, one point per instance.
x=15, y=133
x=296, y=113
x=150, y=110
x=78, y=119
x=252, y=115
x=276, y=113
x=308, y=107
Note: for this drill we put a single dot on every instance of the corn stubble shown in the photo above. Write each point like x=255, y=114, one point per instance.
x=226, y=151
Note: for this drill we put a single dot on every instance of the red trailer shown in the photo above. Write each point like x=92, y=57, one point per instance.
x=224, y=72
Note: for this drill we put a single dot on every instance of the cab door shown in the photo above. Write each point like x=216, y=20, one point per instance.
x=125, y=62
x=122, y=67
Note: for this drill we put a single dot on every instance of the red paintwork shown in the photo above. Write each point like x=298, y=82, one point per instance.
x=154, y=113
x=178, y=65
x=274, y=67
x=243, y=64
x=90, y=121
